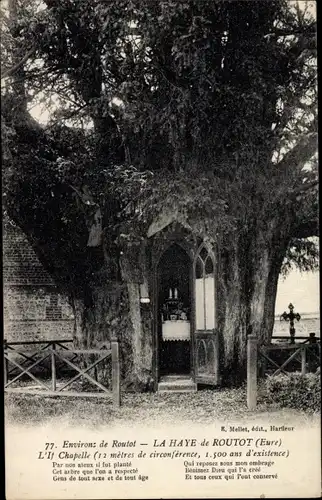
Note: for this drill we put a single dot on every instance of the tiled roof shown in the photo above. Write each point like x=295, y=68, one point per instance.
x=20, y=263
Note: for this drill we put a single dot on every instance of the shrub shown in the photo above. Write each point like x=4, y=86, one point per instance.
x=295, y=390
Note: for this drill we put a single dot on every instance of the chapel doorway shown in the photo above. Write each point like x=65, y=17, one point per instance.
x=174, y=312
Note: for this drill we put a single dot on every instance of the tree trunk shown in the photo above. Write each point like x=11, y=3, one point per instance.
x=248, y=288
x=112, y=311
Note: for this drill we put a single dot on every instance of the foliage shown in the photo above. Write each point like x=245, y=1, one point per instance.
x=201, y=88
x=303, y=254
x=302, y=392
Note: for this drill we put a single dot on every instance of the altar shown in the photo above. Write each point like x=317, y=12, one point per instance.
x=175, y=323
x=176, y=330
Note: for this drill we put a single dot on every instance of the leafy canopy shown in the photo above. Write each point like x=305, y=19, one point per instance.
x=203, y=109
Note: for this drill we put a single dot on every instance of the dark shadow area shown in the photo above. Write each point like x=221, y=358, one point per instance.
x=174, y=302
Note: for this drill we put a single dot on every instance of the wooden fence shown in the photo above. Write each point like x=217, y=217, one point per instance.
x=59, y=350
x=301, y=351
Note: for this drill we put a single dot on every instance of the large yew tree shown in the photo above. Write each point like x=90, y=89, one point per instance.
x=198, y=111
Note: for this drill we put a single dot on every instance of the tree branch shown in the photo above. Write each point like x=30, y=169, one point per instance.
x=305, y=187
x=302, y=152
x=18, y=65
x=278, y=32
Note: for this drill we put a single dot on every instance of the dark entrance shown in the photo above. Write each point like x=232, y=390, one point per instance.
x=174, y=309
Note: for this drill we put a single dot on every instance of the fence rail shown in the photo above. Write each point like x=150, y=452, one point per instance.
x=301, y=352
x=311, y=338
x=57, y=350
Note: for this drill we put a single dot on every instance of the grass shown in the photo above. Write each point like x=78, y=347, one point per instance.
x=149, y=409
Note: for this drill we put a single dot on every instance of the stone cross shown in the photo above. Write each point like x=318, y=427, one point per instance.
x=291, y=316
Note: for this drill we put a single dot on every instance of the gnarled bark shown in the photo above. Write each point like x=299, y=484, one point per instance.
x=248, y=295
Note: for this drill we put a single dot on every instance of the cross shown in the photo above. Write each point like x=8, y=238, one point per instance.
x=291, y=316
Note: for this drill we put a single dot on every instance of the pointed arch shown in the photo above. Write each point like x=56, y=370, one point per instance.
x=204, y=289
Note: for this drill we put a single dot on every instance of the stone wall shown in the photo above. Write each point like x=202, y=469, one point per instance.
x=309, y=322
x=33, y=307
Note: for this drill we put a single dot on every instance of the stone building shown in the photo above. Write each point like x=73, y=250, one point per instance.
x=33, y=307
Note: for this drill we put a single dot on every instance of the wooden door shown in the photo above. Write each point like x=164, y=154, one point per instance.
x=206, y=349
x=205, y=334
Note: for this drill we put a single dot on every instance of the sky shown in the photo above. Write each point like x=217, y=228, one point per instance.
x=301, y=289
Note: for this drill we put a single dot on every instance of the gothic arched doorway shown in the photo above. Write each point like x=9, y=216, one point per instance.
x=174, y=311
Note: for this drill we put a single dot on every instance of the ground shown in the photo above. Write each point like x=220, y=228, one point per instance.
x=204, y=407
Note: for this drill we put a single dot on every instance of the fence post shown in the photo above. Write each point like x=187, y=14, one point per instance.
x=312, y=342
x=312, y=339
x=251, y=372
x=53, y=367
x=115, y=372
x=263, y=367
x=5, y=371
x=303, y=360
